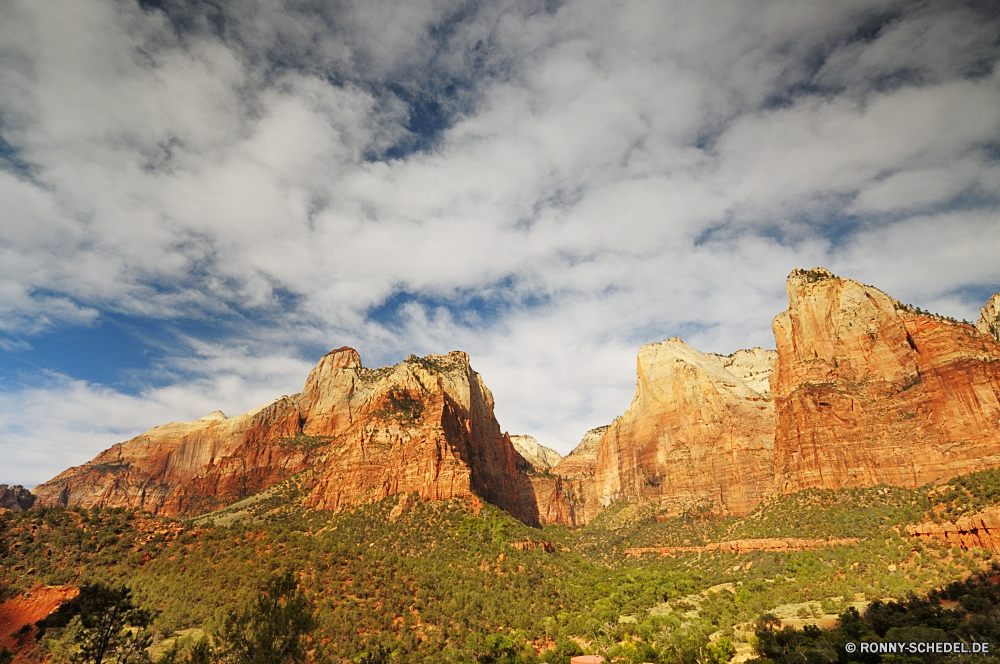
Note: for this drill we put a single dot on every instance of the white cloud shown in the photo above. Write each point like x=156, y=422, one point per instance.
x=607, y=176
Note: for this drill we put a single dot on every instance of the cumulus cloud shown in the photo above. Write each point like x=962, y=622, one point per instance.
x=546, y=185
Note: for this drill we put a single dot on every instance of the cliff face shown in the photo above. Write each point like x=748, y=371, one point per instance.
x=698, y=435
x=540, y=457
x=425, y=425
x=989, y=318
x=15, y=498
x=981, y=529
x=582, y=461
x=868, y=390
x=565, y=493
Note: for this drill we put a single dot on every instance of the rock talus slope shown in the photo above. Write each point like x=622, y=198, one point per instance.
x=699, y=434
x=425, y=425
x=868, y=390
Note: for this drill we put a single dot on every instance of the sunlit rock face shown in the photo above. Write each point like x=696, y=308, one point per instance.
x=540, y=457
x=565, y=493
x=868, y=390
x=989, y=318
x=424, y=426
x=699, y=434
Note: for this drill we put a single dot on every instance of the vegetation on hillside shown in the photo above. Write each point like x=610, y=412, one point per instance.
x=411, y=581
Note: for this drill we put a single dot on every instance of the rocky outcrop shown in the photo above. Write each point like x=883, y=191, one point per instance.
x=746, y=545
x=15, y=498
x=540, y=457
x=699, y=434
x=981, y=529
x=565, y=493
x=582, y=461
x=425, y=425
x=989, y=318
x=868, y=390
x=186, y=468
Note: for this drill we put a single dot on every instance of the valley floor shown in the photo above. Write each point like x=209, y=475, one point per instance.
x=461, y=581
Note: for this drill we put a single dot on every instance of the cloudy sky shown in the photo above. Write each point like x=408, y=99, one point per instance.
x=199, y=199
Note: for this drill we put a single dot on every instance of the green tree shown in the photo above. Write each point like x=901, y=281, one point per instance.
x=114, y=627
x=270, y=628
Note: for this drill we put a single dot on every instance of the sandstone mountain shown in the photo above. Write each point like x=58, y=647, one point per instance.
x=15, y=498
x=582, y=461
x=989, y=318
x=566, y=492
x=699, y=434
x=862, y=390
x=425, y=425
x=540, y=457
x=868, y=390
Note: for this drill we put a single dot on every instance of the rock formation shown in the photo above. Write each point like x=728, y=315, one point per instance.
x=698, y=435
x=868, y=390
x=746, y=545
x=564, y=493
x=989, y=317
x=582, y=461
x=540, y=457
x=425, y=425
x=981, y=529
x=15, y=498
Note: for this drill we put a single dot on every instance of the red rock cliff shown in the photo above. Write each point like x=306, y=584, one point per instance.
x=868, y=390
x=698, y=435
x=565, y=493
x=425, y=425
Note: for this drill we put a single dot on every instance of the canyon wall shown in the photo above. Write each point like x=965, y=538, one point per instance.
x=699, y=434
x=868, y=390
x=565, y=493
x=989, y=317
x=425, y=425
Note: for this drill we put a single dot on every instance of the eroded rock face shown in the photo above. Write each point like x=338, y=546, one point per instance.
x=989, y=318
x=868, y=390
x=540, y=457
x=15, y=498
x=699, y=434
x=582, y=461
x=425, y=425
x=981, y=529
x=564, y=493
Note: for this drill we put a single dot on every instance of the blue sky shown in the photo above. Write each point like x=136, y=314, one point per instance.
x=198, y=199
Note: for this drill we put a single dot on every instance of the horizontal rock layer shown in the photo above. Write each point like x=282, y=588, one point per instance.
x=744, y=546
x=976, y=530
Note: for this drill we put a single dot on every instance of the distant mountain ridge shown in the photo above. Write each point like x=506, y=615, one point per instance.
x=861, y=390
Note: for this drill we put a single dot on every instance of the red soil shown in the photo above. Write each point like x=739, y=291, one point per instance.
x=21, y=610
